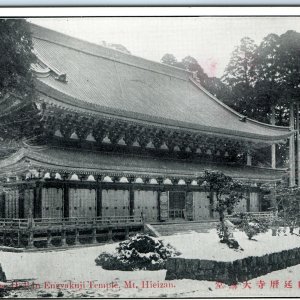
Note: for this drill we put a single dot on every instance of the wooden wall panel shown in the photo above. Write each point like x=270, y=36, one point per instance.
x=28, y=202
x=254, y=202
x=241, y=206
x=52, y=203
x=201, y=206
x=82, y=203
x=12, y=204
x=115, y=203
x=146, y=202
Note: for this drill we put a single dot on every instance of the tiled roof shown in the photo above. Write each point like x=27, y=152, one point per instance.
x=104, y=80
x=88, y=162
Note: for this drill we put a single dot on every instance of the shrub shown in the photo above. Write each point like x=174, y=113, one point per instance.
x=230, y=241
x=140, y=252
x=252, y=226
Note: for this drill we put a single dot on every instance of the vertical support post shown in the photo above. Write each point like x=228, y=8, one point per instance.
x=211, y=204
x=18, y=238
x=249, y=159
x=248, y=200
x=66, y=200
x=76, y=233
x=273, y=147
x=2, y=205
x=21, y=202
x=126, y=232
x=99, y=197
x=110, y=235
x=49, y=238
x=298, y=143
x=158, y=203
x=30, y=230
x=94, y=233
x=131, y=197
x=292, y=147
x=37, y=201
x=63, y=237
x=77, y=237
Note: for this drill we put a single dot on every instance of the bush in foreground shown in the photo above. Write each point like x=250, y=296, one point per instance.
x=140, y=252
x=252, y=226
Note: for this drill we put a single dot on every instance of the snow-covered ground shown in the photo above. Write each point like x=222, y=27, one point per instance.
x=78, y=266
x=207, y=246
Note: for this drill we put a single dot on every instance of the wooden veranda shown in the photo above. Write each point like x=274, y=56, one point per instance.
x=45, y=233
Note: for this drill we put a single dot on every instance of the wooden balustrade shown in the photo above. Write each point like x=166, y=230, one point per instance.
x=66, y=231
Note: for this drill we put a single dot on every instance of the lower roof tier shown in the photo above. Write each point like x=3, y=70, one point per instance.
x=83, y=162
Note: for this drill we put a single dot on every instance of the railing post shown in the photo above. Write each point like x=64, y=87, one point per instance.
x=63, y=235
x=94, y=240
x=76, y=233
x=49, y=237
x=110, y=235
x=126, y=232
x=30, y=231
x=18, y=236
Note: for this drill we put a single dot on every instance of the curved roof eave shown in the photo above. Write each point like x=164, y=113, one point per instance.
x=58, y=160
x=234, y=112
x=68, y=102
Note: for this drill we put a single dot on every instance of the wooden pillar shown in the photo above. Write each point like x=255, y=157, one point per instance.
x=248, y=200
x=94, y=232
x=37, y=201
x=63, y=236
x=49, y=238
x=298, y=143
x=2, y=205
x=273, y=147
x=131, y=197
x=126, y=232
x=66, y=200
x=21, y=202
x=249, y=159
x=76, y=236
x=99, y=197
x=292, y=147
x=30, y=230
x=110, y=235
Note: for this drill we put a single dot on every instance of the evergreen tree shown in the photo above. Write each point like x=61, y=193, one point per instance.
x=16, y=57
x=240, y=76
x=17, y=91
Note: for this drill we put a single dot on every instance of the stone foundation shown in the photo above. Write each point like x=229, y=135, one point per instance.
x=232, y=271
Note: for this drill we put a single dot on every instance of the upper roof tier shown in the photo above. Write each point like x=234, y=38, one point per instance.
x=107, y=81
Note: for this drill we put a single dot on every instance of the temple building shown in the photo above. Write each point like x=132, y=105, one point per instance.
x=122, y=136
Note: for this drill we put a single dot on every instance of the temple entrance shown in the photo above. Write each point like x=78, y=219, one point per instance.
x=177, y=205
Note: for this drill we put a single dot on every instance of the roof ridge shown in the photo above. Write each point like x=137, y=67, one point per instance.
x=111, y=51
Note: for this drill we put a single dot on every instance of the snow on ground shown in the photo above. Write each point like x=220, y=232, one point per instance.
x=207, y=246
x=78, y=266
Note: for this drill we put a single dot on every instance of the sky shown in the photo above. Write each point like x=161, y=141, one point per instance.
x=210, y=40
